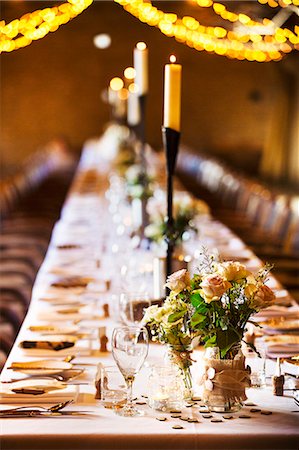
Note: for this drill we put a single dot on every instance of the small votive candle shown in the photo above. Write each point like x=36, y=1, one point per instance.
x=165, y=389
x=160, y=401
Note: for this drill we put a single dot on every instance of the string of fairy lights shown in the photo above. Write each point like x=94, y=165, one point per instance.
x=252, y=46
x=244, y=38
x=33, y=26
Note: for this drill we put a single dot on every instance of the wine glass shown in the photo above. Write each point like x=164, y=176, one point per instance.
x=131, y=307
x=129, y=350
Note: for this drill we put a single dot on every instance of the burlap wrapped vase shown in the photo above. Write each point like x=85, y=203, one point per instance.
x=225, y=382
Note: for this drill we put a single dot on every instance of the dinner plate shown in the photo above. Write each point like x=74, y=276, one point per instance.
x=41, y=367
x=32, y=385
x=282, y=325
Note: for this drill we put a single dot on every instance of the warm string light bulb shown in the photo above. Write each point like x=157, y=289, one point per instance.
x=130, y=73
x=251, y=44
x=133, y=88
x=116, y=84
x=123, y=94
x=33, y=26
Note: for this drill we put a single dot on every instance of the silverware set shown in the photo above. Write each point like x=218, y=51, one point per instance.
x=65, y=376
x=40, y=411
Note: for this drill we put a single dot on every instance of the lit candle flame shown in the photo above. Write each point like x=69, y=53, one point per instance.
x=141, y=45
x=172, y=59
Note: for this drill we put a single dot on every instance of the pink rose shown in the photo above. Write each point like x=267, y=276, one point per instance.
x=213, y=287
x=178, y=281
x=263, y=298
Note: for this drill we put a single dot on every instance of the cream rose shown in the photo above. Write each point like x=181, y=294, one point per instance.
x=178, y=281
x=263, y=298
x=233, y=270
x=213, y=287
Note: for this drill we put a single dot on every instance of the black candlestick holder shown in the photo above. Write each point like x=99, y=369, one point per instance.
x=141, y=131
x=171, y=139
x=142, y=139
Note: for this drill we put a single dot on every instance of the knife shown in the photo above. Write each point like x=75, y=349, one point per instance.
x=33, y=413
x=28, y=391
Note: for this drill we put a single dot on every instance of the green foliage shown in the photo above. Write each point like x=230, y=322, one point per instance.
x=197, y=318
x=176, y=316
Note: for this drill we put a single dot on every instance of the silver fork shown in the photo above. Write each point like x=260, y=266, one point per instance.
x=58, y=377
x=55, y=408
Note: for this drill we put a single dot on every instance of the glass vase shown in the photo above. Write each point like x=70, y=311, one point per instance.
x=225, y=381
x=180, y=356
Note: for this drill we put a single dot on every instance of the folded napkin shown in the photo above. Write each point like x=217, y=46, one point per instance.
x=35, y=367
x=56, y=343
x=72, y=282
x=55, y=392
x=68, y=246
x=52, y=345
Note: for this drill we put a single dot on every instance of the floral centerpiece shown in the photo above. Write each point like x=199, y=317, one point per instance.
x=171, y=323
x=125, y=157
x=185, y=209
x=138, y=183
x=214, y=305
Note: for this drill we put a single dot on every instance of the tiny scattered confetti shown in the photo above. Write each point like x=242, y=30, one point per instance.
x=185, y=418
x=177, y=427
x=161, y=419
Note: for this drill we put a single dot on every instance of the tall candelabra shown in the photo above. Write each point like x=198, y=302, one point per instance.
x=171, y=140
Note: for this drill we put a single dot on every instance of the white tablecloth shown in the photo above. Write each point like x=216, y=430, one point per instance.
x=102, y=428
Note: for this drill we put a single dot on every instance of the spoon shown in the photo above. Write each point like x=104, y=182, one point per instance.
x=52, y=409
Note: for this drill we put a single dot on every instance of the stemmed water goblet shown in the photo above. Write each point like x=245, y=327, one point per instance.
x=132, y=305
x=129, y=350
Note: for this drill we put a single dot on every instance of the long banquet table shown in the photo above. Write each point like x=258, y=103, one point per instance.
x=81, y=245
